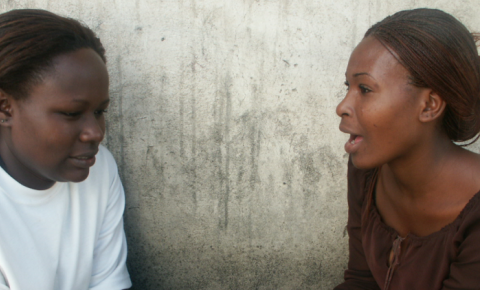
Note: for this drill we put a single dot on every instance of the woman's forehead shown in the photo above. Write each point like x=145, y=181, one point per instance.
x=373, y=58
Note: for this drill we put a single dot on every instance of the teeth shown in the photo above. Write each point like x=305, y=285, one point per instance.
x=353, y=142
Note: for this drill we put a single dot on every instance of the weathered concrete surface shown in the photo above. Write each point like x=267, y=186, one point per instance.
x=223, y=124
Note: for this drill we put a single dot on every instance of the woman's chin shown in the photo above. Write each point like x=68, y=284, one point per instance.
x=363, y=163
x=77, y=176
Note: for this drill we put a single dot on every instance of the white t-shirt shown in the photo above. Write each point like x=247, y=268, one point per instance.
x=68, y=237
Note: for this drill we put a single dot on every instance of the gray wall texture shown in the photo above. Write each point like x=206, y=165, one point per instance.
x=223, y=125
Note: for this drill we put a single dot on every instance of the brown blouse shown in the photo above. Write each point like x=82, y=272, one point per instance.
x=447, y=259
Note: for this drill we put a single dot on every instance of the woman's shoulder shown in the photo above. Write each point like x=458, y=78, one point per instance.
x=462, y=179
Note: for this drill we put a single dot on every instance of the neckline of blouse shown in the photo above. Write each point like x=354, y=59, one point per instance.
x=410, y=236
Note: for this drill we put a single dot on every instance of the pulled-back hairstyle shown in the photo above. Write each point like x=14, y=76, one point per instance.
x=439, y=53
x=30, y=39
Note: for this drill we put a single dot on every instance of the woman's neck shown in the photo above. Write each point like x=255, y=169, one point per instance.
x=20, y=172
x=2, y=164
x=421, y=172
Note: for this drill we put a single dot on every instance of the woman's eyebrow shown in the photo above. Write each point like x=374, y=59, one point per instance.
x=86, y=102
x=363, y=74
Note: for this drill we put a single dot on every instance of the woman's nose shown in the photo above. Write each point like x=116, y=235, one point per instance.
x=345, y=107
x=93, y=130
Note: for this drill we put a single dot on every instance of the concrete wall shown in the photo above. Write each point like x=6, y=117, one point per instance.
x=224, y=128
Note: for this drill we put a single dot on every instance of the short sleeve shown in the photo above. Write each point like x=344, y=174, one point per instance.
x=110, y=254
x=358, y=275
x=465, y=270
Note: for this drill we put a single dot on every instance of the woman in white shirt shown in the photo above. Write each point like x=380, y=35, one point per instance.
x=61, y=199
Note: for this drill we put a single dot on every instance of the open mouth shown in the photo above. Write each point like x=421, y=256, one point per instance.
x=84, y=157
x=84, y=160
x=352, y=144
x=354, y=139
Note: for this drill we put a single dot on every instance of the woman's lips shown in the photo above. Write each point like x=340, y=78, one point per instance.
x=353, y=143
x=83, y=161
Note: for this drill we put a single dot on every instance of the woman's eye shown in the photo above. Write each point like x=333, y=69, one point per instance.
x=71, y=114
x=100, y=112
x=347, y=85
x=364, y=89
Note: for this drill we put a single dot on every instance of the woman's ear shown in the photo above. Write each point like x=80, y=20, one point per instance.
x=433, y=107
x=5, y=108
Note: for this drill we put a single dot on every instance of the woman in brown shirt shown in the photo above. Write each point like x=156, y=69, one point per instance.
x=414, y=203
